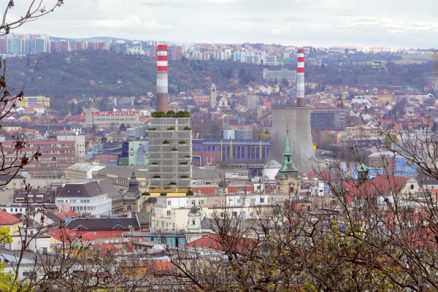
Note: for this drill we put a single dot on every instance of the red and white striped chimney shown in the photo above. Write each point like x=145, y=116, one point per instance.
x=162, y=80
x=300, y=77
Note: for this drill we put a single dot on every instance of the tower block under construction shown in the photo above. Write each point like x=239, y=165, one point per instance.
x=293, y=121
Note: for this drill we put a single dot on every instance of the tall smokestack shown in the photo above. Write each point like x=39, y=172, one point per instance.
x=162, y=83
x=300, y=77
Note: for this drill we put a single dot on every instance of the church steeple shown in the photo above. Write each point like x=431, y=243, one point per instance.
x=288, y=167
x=133, y=184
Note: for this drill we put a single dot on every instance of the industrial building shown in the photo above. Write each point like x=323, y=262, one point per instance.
x=94, y=117
x=293, y=122
x=235, y=152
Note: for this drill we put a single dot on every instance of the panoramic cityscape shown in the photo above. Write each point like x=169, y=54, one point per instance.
x=225, y=145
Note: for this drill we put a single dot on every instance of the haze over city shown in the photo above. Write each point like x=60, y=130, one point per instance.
x=392, y=23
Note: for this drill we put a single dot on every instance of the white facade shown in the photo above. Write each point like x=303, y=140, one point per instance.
x=96, y=205
x=172, y=214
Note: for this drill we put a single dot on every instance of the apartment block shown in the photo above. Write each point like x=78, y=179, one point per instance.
x=170, y=154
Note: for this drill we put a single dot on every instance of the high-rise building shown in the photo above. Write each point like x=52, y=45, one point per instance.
x=170, y=154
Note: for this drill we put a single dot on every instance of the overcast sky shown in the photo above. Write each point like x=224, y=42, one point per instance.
x=393, y=23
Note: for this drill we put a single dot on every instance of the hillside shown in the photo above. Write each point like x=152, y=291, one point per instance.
x=103, y=74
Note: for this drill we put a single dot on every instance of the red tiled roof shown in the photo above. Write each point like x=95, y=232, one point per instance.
x=95, y=235
x=63, y=234
x=380, y=185
x=69, y=214
x=8, y=219
x=222, y=243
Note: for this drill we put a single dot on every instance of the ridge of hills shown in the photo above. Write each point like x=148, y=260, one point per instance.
x=94, y=73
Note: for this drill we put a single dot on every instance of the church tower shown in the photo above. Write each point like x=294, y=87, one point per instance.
x=287, y=176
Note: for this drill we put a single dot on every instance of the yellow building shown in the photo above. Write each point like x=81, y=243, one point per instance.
x=11, y=222
x=31, y=101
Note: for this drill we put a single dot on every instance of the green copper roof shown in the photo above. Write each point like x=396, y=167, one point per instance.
x=362, y=167
x=287, y=148
x=288, y=167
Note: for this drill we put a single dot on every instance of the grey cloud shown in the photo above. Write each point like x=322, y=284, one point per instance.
x=311, y=22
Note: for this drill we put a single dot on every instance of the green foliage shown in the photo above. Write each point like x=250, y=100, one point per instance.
x=163, y=194
x=146, y=194
x=7, y=278
x=171, y=114
x=5, y=237
x=390, y=139
x=189, y=192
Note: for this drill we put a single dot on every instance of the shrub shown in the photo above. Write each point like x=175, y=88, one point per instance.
x=163, y=194
x=166, y=142
x=171, y=128
x=182, y=142
x=146, y=194
x=158, y=114
x=171, y=114
x=189, y=192
x=183, y=114
x=174, y=149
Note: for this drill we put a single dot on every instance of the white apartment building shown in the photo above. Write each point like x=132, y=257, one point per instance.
x=85, y=198
x=172, y=213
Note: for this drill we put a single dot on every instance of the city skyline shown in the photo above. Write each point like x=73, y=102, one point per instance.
x=322, y=23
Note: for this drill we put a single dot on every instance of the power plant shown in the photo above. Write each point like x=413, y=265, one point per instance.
x=293, y=121
x=162, y=79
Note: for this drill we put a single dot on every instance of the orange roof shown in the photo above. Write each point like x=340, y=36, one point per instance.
x=94, y=235
x=69, y=214
x=380, y=185
x=8, y=219
x=223, y=243
x=63, y=234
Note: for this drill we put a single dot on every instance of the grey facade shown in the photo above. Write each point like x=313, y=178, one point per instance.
x=295, y=122
x=170, y=154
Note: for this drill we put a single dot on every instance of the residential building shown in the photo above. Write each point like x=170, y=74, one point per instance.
x=327, y=119
x=170, y=154
x=172, y=213
x=81, y=171
x=279, y=75
x=55, y=157
x=79, y=143
x=85, y=198
x=32, y=101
